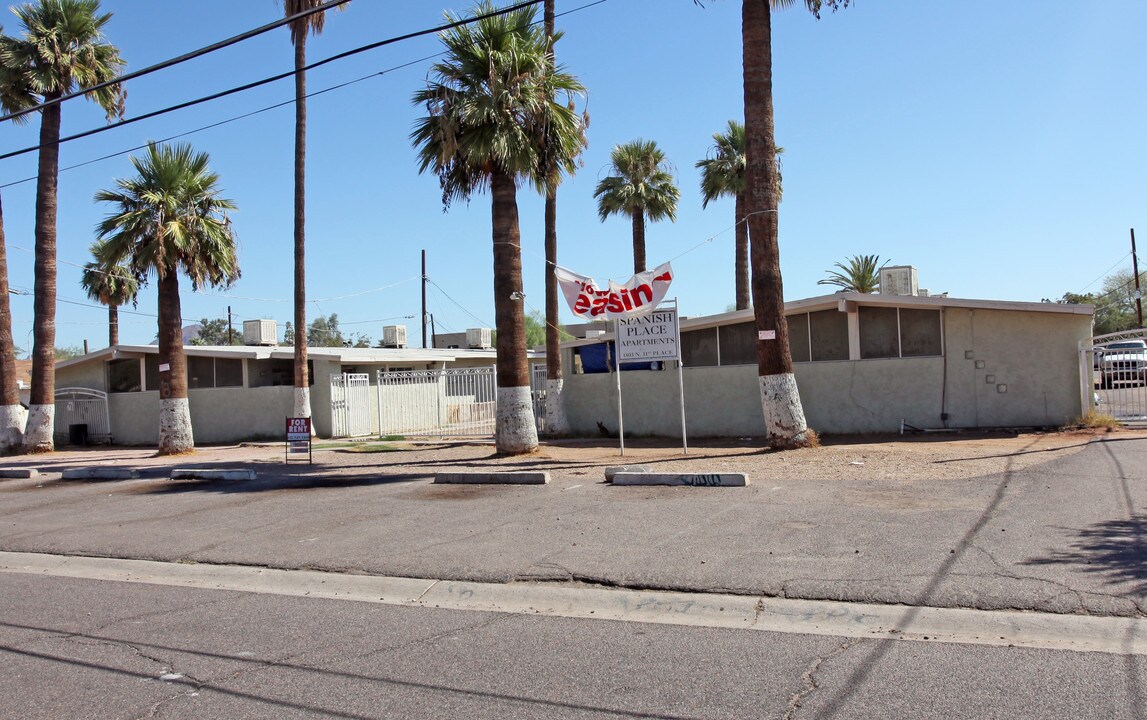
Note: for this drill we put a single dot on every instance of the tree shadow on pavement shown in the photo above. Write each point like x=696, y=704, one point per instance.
x=1114, y=549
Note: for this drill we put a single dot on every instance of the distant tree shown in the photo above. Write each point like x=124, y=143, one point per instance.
x=289, y=334
x=325, y=332
x=113, y=286
x=1115, y=309
x=214, y=332
x=68, y=352
x=723, y=175
x=860, y=275
x=641, y=186
x=536, y=330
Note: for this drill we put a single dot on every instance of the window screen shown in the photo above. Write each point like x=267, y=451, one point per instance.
x=878, y=333
x=123, y=375
x=228, y=373
x=798, y=337
x=738, y=344
x=699, y=348
x=200, y=372
x=920, y=333
x=829, y=331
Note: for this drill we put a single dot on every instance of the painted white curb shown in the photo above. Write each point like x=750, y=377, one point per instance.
x=195, y=474
x=687, y=479
x=610, y=472
x=493, y=478
x=19, y=474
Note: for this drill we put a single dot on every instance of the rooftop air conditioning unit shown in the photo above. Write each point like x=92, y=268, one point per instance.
x=591, y=334
x=394, y=336
x=899, y=280
x=479, y=338
x=260, y=332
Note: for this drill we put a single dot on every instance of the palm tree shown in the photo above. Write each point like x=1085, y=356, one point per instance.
x=785, y=425
x=312, y=24
x=15, y=95
x=723, y=174
x=557, y=160
x=111, y=285
x=62, y=49
x=641, y=186
x=860, y=275
x=170, y=218
x=487, y=104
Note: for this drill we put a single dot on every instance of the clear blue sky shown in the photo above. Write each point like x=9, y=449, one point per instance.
x=997, y=147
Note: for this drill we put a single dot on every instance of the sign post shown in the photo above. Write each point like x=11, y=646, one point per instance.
x=653, y=336
x=298, y=438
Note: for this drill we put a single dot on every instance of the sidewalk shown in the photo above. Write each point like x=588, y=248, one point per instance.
x=1058, y=523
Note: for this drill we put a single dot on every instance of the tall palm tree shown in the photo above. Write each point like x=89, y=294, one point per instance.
x=557, y=160
x=312, y=24
x=641, y=186
x=486, y=104
x=61, y=50
x=15, y=94
x=169, y=219
x=723, y=175
x=785, y=425
x=111, y=285
x=860, y=275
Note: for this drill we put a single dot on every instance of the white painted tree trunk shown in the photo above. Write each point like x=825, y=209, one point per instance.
x=303, y=405
x=13, y=418
x=38, y=432
x=175, y=434
x=556, y=421
x=514, y=430
x=784, y=417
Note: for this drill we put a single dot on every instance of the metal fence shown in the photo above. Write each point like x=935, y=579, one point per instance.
x=81, y=408
x=350, y=405
x=437, y=402
x=1113, y=374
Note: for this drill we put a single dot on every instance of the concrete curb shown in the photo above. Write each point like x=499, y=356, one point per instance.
x=611, y=471
x=100, y=473
x=195, y=474
x=19, y=474
x=493, y=478
x=687, y=479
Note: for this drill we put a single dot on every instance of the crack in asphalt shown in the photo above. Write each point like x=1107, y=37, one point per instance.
x=809, y=680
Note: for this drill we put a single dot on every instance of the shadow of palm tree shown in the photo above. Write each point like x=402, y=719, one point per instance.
x=1114, y=549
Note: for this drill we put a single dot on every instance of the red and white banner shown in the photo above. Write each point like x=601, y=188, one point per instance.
x=637, y=296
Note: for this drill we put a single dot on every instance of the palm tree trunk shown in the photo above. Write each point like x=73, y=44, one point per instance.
x=175, y=435
x=113, y=325
x=785, y=425
x=638, y=242
x=302, y=406
x=556, y=421
x=515, y=431
x=42, y=408
x=12, y=416
x=742, y=259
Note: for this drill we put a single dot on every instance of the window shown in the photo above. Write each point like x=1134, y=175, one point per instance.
x=200, y=372
x=738, y=344
x=798, y=337
x=699, y=348
x=123, y=375
x=266, y=373
x=228, y=372
x=828, y=331
x=899, y=332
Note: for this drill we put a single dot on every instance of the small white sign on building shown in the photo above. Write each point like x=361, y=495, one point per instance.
x=649, y=337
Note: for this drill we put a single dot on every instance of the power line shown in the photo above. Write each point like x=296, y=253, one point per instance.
x=274, y=78
x=176, y=61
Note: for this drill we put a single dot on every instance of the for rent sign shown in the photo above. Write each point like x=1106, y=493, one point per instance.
x=649, y=337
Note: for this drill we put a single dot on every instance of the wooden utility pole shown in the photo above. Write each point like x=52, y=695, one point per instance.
x=424, y=299
x=230, y=331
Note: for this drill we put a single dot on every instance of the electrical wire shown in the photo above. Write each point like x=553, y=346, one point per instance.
x=177, y=60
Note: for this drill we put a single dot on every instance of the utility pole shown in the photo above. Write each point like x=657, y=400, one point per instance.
x=424, y=299
x=1135, y=271
x=230, y=332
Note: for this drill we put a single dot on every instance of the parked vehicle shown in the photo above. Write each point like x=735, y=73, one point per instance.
x=1124, y=361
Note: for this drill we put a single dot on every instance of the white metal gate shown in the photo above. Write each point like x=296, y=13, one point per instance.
x=538, y=376
x=437, y=402
x=350, y=405
x=1113, y=371
x=81, y=406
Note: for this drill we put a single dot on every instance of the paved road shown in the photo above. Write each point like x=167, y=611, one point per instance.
x=82, y=648
x=1067, y=537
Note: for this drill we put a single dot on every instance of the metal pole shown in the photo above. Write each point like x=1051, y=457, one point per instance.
x=617, y=372
x=424, y=299
x=1135, y=270
x=680, y=374
x=230, y=332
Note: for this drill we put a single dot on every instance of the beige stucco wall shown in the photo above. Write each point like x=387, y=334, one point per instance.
x=216, y=416
x=1030, y=354
x=86, y=375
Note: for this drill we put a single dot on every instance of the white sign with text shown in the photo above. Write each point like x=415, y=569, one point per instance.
x=649, y=337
